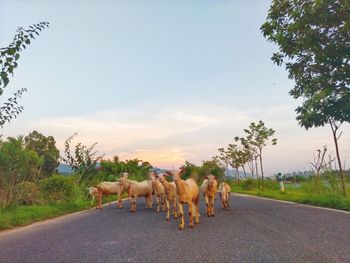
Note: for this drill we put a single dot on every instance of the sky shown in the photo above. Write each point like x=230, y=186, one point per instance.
x=162, y=81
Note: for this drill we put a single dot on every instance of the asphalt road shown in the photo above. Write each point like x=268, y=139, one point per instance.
x=253, y=230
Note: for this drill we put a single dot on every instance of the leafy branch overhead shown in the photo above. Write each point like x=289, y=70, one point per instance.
x=314, y=44
x=9, y=62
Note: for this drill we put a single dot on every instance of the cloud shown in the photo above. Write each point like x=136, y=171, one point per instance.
x=167, y=135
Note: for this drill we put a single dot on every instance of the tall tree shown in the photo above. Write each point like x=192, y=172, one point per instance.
x=46, y=148
x=260, y=136
x=314, y=44
x=8, y=63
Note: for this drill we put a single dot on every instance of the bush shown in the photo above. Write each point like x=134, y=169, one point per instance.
x=57, y=188
x=248, y=184
x=26, y=193
x=271, y=184
x=331, y=182
x=111, y=178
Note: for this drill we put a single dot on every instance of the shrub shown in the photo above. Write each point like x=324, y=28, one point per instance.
x=332, y=182
x=57, y=188
x=271, y=184
x=248, y=184
x=26, y=193
x=111, y=178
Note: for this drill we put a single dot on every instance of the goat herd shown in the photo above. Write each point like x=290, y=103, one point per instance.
x=178, y=192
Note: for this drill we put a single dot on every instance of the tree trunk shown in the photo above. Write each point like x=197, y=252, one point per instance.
x=251, y=167
x=335, y=138
x=261, y=167
x=257, y=171
x=245, y=174
x=237, y=173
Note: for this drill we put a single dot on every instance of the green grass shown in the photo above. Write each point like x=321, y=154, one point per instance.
x=297, y=195
x=25, y=214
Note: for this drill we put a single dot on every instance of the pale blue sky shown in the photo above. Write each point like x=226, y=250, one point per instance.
x=166, y=81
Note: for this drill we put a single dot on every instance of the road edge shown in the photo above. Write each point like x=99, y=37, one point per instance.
x=51, y=220
x=293, y=203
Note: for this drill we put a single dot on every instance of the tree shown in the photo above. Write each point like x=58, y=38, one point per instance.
x=8, y=63
x=259, y=136
x=250, y=154
x=46, y=148
x=83, y=161
x=188, y=169
x=209, y=167
x=314, y=44
x=319, y=163
x=17, y=164
x=234, y=155
x=224, y=158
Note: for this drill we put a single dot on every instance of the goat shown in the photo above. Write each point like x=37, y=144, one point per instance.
x=170, y=195
x=209, y=188
x=187, y=192
x=224, y=192
x=158, y=190
x=136, y=189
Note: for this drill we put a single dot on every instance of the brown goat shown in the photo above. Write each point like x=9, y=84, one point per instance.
x=209, y=188
x=109, y=188
x=170, y=195
x=136, y=189
x=159, y=190
x=224, y=191
x=187, y=192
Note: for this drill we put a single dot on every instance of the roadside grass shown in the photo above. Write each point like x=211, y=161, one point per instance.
x=26, y=214
x=298, y=195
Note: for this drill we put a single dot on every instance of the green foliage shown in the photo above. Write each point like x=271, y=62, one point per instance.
x=26, y=193
x=314, y=44
x=332, y=182
x=137, y=169
x=111, y=178
x=8, y=63
x=189, y=169
x=207, y=168
x=248, y=184
x=17, y=164
x=24, y=215
x=46, y=148
x=83, y=161
x=57, y=188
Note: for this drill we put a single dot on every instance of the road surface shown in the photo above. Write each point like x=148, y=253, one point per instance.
x=253, y=230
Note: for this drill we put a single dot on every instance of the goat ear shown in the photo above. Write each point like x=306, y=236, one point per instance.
x=206, y=177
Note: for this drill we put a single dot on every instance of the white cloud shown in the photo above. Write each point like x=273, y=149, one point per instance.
x=169, y=135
